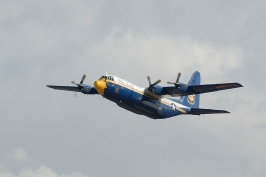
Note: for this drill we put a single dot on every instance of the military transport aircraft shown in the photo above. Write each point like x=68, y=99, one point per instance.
x=155, y=101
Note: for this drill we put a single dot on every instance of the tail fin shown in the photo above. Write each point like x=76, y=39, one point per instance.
x=192, y=101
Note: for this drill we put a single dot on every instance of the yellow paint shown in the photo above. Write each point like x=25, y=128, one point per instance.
x=100, y=85
x=181, y=110
x=191, y=99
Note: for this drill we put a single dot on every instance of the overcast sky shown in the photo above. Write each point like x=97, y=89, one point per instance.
x=51, y=133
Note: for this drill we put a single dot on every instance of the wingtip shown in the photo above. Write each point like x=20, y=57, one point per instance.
x=239, y=85
x=224, y=112
x=50, y=86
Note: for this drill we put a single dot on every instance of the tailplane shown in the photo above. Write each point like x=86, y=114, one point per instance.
x=196, y=111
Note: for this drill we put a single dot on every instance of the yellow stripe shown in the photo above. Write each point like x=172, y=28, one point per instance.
x=181, y=110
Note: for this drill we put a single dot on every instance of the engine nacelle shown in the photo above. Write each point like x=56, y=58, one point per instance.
x=86, y=89
x=158, y=90
x=183, y=88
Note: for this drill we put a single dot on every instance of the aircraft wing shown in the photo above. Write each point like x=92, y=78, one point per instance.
x=86, y=89
x=67, y=88
x=198, y=89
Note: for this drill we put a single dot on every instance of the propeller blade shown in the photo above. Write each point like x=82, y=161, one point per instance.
x=170, y=83
x=178, y=77
x=76, y=94
x=177, y=80
x=149, y=79
x=157, y=82
x=82, y=79
x=79, y=85
x=73, y=82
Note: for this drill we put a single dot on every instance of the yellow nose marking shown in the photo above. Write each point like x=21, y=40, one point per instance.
x=100, y=85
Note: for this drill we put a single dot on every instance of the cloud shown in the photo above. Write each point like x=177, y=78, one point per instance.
x=18, y=155
x=42, y=171
x=56, y=41
x=164, y=56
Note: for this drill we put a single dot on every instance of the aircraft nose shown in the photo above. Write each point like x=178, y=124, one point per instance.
x=100, y=85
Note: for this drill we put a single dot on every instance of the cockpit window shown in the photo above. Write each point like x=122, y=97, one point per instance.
x=103, y=77
x=107, y=78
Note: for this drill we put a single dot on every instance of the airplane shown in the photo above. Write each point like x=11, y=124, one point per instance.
x=154, y=101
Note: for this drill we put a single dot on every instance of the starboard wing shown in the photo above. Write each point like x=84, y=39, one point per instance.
x=198, y=89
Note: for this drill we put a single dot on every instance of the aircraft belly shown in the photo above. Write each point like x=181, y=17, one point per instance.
x=130, y=108
x=140, y=109
x=149, y=107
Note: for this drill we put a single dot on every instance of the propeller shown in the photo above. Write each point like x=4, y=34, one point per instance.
x=150, y=88
x=82, y=79
x=80, y=85
x=81, y=82
x=177, y=83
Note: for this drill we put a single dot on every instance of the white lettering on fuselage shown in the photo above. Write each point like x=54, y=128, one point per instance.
x=125, y=83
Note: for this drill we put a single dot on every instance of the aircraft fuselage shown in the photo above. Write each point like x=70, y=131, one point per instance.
x=137, y=99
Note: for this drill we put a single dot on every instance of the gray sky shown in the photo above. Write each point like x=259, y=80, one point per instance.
x=51, y=133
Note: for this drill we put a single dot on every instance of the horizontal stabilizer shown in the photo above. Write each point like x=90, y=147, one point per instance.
x=195, y=111
x=67, y=88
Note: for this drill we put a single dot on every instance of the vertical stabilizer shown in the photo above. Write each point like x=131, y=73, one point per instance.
x=192, y=101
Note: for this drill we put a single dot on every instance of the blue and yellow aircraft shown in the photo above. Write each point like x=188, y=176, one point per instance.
x=155, y=101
